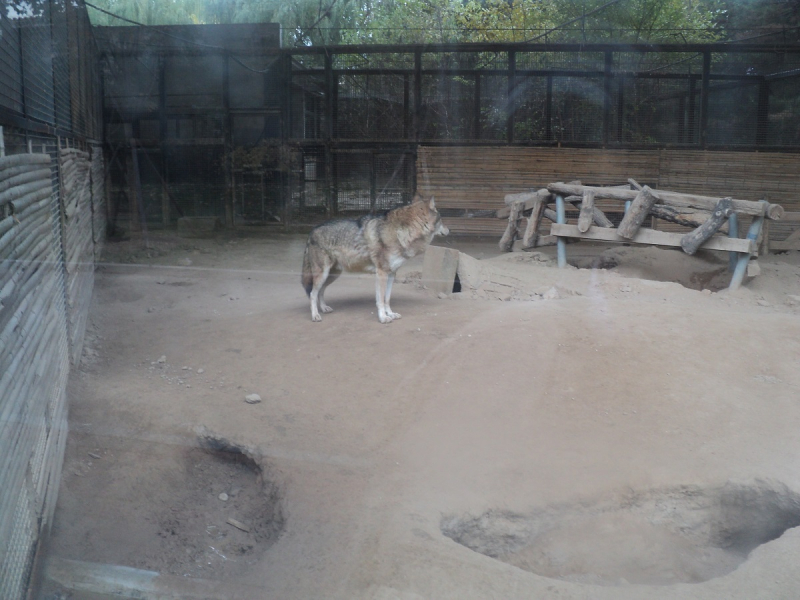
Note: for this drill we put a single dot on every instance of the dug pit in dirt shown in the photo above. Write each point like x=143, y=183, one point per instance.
x=661, y=537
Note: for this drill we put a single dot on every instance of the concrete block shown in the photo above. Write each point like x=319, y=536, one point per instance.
x=439, y=269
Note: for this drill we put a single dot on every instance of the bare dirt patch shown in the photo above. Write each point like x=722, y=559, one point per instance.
x=532, y=387
x=688, y=534
x=203, y=509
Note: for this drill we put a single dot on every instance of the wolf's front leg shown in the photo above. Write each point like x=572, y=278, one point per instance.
x=389, y=282
x=381, y=283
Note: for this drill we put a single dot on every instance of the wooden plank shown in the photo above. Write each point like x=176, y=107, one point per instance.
x=793, y=245
x=651, y=237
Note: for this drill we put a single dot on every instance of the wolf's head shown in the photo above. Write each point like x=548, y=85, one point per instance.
x=432, y=215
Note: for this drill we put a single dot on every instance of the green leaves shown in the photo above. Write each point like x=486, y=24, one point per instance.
x=331, y=22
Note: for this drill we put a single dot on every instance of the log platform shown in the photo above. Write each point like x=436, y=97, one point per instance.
x=708, y=217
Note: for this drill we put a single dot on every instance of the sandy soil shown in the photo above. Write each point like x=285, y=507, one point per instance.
x=589, y=387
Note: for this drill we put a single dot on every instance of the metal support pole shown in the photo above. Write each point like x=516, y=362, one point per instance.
x=561, y=244
x=733, y=232
x=512, y=103
x=704, y=90
x=744, y=257
x=607, y=75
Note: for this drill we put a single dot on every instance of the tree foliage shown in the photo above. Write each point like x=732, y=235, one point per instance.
x=330, y=22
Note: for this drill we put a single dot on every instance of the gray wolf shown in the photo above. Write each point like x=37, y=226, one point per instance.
x=377, y=244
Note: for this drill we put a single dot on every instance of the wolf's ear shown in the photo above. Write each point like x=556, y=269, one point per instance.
x=431, y=205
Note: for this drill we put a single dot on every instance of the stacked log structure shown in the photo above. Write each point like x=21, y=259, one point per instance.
x=706, y=215
x=77, y=222
x=33, y=361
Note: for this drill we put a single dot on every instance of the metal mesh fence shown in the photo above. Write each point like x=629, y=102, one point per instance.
x=49, y=71
x=321, y=118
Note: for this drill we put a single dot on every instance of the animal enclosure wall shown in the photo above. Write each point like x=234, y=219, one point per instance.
x=469, y=183
x=52, y=220
x=47, y=250
x=296, y=135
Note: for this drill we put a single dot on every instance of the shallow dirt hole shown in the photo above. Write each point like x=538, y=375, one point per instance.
x=206, y=510
x=705, y=270
x=687, y=534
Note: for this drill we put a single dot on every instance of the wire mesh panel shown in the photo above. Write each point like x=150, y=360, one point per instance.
x=10, y=71
x=577, y=109
x=373, y=106
x=196, y=183
x=493, y=95
x=60, y=43
x=307, y=107
x=37, y=63
x=531, y=94
x=448, y=107
x=194, y=81
x=131, y=83
x=259, y=197
x=733, y=110
x=354, y=177
x=783, y=119
x=393, y=180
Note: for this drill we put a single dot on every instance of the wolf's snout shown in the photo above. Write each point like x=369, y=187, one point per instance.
x=443, y=230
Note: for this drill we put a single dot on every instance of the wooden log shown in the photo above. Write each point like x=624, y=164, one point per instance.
x=586, y=218
x=634, y=184
x=688, y=217
x=512, y=199
x=637, y=213
x=652, y=237
x=693, y=240
x=507, y=241
x=532, y=230
x=529, y=198
x=745, y=207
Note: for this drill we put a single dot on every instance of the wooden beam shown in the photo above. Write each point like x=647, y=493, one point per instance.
x=650, y=236
x=746, y=207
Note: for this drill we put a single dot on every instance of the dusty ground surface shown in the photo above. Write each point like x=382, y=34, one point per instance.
x=628, y=431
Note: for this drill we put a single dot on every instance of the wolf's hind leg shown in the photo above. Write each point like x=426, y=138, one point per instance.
x=381, y=282
x=320, y=277
x=334, y=273
x=389, y=282
x=383, y=291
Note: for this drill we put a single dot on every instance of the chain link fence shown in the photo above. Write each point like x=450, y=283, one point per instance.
x=52, y=219
x=261, y=134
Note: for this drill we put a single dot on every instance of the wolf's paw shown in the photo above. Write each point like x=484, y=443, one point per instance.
x=386, y=319
x=394, y=315
x=326, y=309
x=316, y=318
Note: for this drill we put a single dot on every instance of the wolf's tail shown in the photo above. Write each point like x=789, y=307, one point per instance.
x=307, y=279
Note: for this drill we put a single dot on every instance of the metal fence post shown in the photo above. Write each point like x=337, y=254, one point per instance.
x=512, y=105
x=704, y=87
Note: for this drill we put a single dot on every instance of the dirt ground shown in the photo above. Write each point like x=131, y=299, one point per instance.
x=627, y=429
